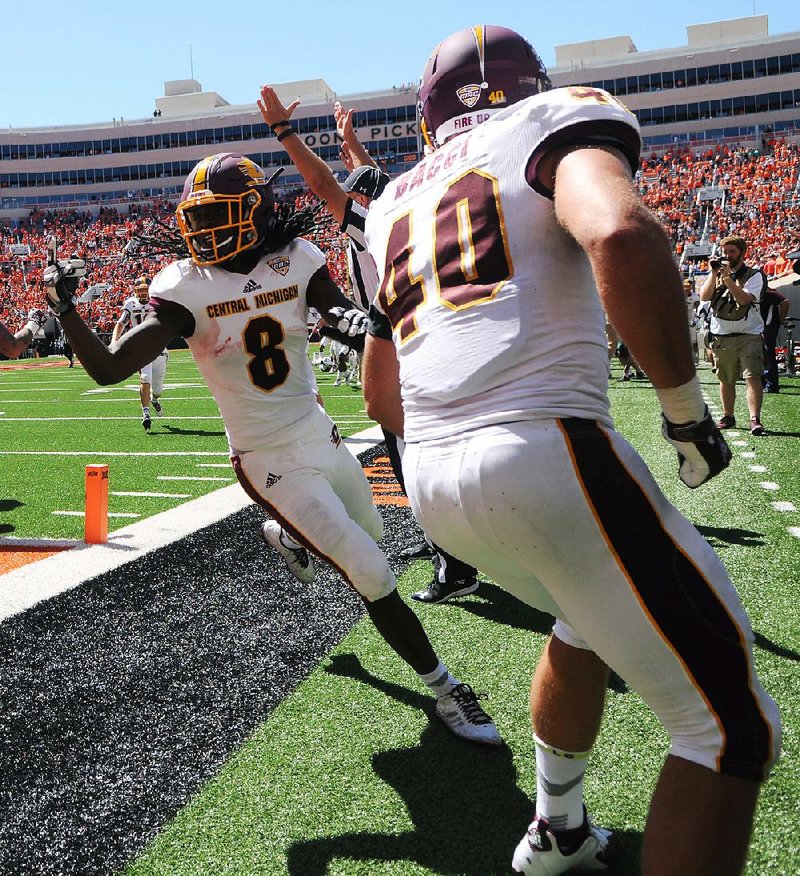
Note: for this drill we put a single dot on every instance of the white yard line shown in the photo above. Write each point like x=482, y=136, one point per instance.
x=150, y=495
x=56, y=544
x=82, y=514
x=96, y=401
x=192, y=478
x=115, y=453
x=92, y=419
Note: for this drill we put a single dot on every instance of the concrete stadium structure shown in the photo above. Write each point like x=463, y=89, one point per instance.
x=731, y=81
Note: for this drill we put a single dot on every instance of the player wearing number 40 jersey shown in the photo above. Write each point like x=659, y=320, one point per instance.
x=498, y=244
x=241, y=300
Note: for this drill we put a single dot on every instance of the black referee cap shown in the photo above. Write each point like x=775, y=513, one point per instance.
x=367, y=181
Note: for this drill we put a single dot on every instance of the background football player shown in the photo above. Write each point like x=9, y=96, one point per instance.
x=499, y=241
x=242, y=302
x=151, y=376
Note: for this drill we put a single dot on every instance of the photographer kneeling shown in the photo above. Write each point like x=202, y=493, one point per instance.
x=734, y=291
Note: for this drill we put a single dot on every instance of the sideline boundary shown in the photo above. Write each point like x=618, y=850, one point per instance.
x=22, y=588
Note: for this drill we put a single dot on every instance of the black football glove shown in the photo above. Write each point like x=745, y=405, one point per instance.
x=62, y=279
x=702, y=451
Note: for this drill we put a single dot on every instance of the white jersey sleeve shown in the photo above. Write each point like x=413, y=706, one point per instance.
x=126, y=316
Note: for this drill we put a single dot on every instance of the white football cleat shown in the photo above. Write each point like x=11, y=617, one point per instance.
x=462, y=715
x=298, y=560
x=538, y=852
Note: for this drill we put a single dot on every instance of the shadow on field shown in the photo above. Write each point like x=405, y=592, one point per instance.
x=744, y=537
x=166, y=429
x=495, y=604
x=467, y=811
x=775, y=434
x=10, y=504
x=768, y=645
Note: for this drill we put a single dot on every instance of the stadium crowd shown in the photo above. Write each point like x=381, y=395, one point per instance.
x=108, y=242
x=760, y=204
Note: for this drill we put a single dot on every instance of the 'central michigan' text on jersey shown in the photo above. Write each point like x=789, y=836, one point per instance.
x=468, y=241
x=250, y=339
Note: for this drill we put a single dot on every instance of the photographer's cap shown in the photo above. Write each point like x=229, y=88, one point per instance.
x=367, y=181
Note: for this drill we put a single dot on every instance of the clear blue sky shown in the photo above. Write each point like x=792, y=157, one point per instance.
x=91, y=60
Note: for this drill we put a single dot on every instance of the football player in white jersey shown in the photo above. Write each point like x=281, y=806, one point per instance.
x=499, y=242
x=151, y=377
x=242, y=303
x=348, y=203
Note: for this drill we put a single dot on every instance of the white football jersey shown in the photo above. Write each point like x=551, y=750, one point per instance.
x=133, y=312
x=493, y=306
x=250, y=340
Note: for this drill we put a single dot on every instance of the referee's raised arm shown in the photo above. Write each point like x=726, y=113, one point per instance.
x=316, y=173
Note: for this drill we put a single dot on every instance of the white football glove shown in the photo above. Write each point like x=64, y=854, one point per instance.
x=62, y=280
x=702, y=451
x=36, y=318
x=350, y=322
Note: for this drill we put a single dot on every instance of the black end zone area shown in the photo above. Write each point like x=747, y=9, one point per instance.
x=121, y=698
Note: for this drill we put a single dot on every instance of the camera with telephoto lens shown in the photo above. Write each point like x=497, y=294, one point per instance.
x=716, y=264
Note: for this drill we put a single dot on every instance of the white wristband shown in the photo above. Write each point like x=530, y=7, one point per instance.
x=683, y=404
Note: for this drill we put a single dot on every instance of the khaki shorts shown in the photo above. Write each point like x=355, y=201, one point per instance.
x=738, y=356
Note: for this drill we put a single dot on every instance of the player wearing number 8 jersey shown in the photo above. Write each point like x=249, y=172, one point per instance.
x=242, y=303
x=248, y=337
x=498, y=243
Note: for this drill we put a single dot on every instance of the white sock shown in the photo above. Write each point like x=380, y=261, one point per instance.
x=145, y=411
x=439, y=681
x=559, y=785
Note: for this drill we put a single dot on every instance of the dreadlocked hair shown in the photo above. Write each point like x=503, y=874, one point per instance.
x=289, y=223
x=159, y=238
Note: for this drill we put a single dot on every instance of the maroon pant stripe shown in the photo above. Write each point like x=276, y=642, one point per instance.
x=688, y=612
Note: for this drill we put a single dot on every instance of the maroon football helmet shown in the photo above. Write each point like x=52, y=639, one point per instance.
x=473, y=74
x=227, y=206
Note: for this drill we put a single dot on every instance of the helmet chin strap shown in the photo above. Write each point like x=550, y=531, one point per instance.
x=245, y=260
x=426, y=136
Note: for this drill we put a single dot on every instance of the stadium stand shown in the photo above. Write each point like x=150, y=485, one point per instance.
x=760, y=198
x=756, y=194
x=107, y=242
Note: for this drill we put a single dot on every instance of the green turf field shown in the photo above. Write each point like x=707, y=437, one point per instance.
x=347, y=776
x=54, y=421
